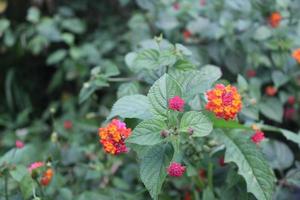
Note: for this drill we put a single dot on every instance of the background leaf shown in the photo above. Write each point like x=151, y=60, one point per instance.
x=133, y=106
x=251, y=163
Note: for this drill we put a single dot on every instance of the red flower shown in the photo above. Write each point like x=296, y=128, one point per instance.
x=289, y=113
x=296, y=55
x=19, y=144
x=291, y=100
x=202, y=174
x=202, y=2
x=175, y=169
x=251, y=73
x=113, y=137
x=68, y=124
x=270, y=91
x=258, y=137
x=222, y=161
x=47, y=177
x=225, y=102
x=187, y=196
x=176, y=103
x=274, y=19
x=176, y=6
x=187, y=34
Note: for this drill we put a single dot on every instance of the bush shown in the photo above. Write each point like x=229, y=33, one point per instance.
x=150, y=99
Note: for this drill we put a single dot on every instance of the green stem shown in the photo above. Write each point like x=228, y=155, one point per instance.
x=210, y=175
x=6, y=187
x=40, y=188
x=122, y=79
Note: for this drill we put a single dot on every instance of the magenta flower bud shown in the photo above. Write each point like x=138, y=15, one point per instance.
x=19, y=144
x=175, y=169
x=176, y=103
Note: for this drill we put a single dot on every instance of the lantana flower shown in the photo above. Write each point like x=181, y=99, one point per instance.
x=224, y=101
x=113, y=137
x=19, y=144
x=176, y=103
x=257, y=137
x=35, y=165
x=47, y=177
x=296, y=55
x=274, y=19
x=175, y=169
x=270, y=91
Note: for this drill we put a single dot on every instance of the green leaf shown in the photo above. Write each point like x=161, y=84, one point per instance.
x=153, y=168
x=160, y=92
x=126, y=89
x=56, y=57
x=251, y=163
x=198, y=122
x=242, y=83
x=196, y=82
x=294, y=137
x=33, y=15
x=184, y=65
x=278, y=154
x=208, y=194
x=148, y=132
x=133, y=106
x=289, y=135
x=167, y=58
x=146, y=59
x=293, y=177
x=262, y=33
x=110, y=69
x=26, y=186
x=4, y=24
x=18, y=173
x=272, y=109
x=279, y=78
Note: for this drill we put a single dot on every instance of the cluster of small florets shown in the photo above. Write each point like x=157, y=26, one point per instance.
x=46, y=176
x=176, y=103
x=113, y=136
x=175, y=169
x=224, y=101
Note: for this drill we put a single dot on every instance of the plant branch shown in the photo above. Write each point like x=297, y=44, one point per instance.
x=6, y=186
x=123, y=79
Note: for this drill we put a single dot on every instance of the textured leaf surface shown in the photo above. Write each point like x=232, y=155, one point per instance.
x=197, y=81
x=278, y=154
x=198, y=122
x=148, y=132
x=153, y=168
x=251, y=163
x=133, y=106
x=272, y=109
x=159, y=94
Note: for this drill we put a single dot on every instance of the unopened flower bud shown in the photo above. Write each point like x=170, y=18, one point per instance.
x=191, y=131
x=52, y=110
x=54, y=137
x=212, y=143
x=253, y=101
x=206, y=148
x=164, y=133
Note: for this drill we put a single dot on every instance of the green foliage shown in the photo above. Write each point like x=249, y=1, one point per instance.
x=69, y=67
x=251, y=164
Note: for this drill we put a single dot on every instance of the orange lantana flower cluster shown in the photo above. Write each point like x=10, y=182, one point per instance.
x=224, y=101
x=113, y=136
